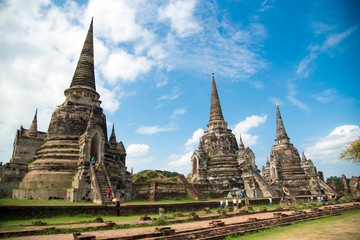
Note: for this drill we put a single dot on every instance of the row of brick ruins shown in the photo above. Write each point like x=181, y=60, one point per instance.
x=56, y=164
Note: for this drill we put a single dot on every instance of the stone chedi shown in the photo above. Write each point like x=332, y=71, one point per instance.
x=220, y=161
x=77, y=131
x=285, y=172
x=26, y=142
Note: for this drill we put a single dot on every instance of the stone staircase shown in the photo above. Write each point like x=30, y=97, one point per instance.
x=103, y=185
x=152, y=192
x=191, y=190
x=264, y=186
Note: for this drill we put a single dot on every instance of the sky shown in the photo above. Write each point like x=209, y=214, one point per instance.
x=154, y=62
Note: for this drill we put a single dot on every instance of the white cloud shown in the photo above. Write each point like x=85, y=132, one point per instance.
x=334, y=39
x=178, y=112
x=192, y=142
x=320, y=27
x=306, y=65
x=250, y=122
x=149, y=130
x=244, y=127
x=331, y=41
x=327, y=149
x=115, y=19
x=266, y=5
x=180, y=160
x=136, y=150
x=176, y=92
x=180, y=15
x=125, y=66
x=297, y=103
x=140, y=163
x=303, y=68
x=326, y=96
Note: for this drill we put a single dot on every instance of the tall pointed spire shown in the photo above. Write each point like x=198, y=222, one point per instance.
x=241, y=144
x=113, y=137
x=281, y=136
x=33, y=126
x=215, y=108
x=303, y=157
x=84, y=74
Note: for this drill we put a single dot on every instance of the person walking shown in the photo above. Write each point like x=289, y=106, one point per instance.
x=239, y=203
x=108, y=193
x=221, y=204
x=226, y=203
x=247, y=203
x=270, y=202
x=235, y=203
x=118, y=208
x=97, y=167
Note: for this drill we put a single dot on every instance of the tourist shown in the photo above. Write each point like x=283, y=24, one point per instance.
x=235, y=203
x=239, y=203
x=270, y=202
x=108, y=193
x=247, y=203
x=118, y=208
x=226, y=203
x=92, y=160
x=221, y=204
x=312, y=199
x=97, y=167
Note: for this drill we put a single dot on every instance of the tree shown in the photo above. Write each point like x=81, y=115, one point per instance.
x=351, y=152
x=337, y=181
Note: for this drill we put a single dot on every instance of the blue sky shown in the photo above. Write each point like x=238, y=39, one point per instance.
x=154, y=61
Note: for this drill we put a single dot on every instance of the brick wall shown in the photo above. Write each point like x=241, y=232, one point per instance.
x=27, y=212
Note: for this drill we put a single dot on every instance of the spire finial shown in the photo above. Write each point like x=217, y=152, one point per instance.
x=281, y=136
x=113, y=137
x=241, y=144
x=303, y=157
x=215, y=108
x=33, y=126
x=84, y=74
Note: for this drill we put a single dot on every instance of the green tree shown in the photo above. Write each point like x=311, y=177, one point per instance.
x=337, y=181
x=351, y=152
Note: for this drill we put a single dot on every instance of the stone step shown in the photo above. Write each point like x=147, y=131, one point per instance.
x=58, y=156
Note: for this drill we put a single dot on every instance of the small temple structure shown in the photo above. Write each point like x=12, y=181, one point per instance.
x=221, y=162
x=56, y=164
x=286, y=173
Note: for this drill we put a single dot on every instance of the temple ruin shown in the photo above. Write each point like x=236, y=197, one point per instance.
x=286, y=173
x=219, y=161
x=56, y=164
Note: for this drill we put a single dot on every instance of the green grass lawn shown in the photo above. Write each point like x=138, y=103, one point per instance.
x=344, y=226
x=17, y=224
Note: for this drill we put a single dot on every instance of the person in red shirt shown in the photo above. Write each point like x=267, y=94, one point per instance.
x=108, y=193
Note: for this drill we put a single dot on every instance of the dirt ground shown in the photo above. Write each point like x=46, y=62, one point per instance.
x=347, y=229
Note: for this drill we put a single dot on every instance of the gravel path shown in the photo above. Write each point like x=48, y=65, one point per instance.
x=133, y=231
